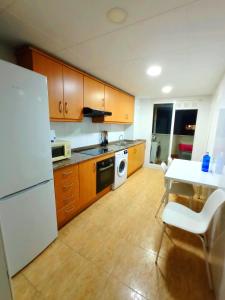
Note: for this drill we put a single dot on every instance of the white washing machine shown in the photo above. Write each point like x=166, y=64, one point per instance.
x=121, y=163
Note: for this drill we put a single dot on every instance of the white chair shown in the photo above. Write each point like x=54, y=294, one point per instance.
x=184, y=218
x=177, y=188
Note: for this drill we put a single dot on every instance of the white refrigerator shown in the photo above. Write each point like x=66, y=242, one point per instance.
x=27, y=201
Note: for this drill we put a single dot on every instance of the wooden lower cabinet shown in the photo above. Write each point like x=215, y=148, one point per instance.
x=66, y=183
x=75, y=185
x=136, y=155
x=87, y=176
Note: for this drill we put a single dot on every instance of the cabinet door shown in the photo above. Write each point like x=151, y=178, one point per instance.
x=130, y=109
x=94, y=94
x=112, y=104
x=131, y=160
x=136, y=156
x=53, y=71
x=73, y=94
x=140, y=155
x=87, y=177
x=66, y=193
x=126, y=108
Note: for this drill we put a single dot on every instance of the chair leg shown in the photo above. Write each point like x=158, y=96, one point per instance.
x=204, y=243
x=162, y=201
x=160, y=242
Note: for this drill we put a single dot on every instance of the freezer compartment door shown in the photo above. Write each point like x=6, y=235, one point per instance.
x=25, y=150
x=28, y=221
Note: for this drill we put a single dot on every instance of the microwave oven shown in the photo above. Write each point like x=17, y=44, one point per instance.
x=61, y=150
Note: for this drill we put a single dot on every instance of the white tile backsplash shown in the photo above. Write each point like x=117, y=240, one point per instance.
x=86, y=133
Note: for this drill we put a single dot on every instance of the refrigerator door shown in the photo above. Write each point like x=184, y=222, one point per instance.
x=25, y=151
x=28, y=221
x=5, y=283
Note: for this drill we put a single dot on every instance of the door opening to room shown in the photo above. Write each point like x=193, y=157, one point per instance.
x=161, y=129
x=183, y=134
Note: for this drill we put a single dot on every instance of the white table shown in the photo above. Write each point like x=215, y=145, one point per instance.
x=190, y=172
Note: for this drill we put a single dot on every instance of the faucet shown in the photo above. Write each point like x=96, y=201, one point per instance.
x=121, y=138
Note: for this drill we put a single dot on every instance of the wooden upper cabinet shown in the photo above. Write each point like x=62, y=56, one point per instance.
x=112, y=104
x=73, y=94
x=94, y=94
x=69, y=90
x=120, y=104
x=127, y=108
x=53, y=71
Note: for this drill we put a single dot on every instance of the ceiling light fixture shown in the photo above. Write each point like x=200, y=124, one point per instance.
x=154, y=71
x=117, y=15
x=167, y=89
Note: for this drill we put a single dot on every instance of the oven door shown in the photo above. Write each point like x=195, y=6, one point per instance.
x=105, y=174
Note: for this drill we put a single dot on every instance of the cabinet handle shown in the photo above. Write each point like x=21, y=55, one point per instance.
x=66, y=107
x=65, y=174
x=94, y=167
x=68, y=210
x=67, y=200
x=67, y=187
x=60, y=107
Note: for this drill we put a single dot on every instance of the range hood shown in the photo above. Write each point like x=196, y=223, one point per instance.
x=89, y=112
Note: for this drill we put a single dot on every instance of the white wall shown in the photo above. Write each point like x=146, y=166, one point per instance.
x=86, y=133
x=142, y=127
x=216, y=144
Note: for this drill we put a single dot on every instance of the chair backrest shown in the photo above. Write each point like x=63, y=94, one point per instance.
x=164, y=167
x=169, y=161
x=215, y=200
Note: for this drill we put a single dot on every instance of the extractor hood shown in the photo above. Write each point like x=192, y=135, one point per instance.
x=89, y=112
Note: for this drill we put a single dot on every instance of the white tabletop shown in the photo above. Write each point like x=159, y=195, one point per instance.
x=190, y=172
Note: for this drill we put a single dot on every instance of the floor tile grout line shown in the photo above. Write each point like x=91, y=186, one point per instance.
x=30, y=282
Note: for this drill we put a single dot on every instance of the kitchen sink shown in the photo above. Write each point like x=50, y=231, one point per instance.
x=124, y=143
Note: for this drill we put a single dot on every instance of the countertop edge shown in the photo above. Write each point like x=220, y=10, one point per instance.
x=78, y=158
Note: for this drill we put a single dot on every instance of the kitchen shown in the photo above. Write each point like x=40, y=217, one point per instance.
x=81, y=167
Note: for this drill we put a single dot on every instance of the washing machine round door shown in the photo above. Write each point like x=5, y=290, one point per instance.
x=121, y=168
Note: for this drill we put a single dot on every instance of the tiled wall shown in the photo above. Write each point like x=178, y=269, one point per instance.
x=86, y=133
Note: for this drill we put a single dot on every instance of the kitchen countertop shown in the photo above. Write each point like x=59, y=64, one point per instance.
x=78, y=157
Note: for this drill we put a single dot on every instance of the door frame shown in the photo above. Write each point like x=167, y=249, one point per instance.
x=188, y=108
x=174, y=102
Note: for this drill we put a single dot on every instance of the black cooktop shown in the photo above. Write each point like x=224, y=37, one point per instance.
x=95, y=151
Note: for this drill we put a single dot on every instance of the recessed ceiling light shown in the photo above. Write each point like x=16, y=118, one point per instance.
x=154, y=71
x=167, y=89
x=117, y=15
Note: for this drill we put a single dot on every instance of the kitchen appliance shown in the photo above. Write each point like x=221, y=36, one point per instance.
x=27, y=201
x=5, y=282
x=104, y=138
x=92, y=113
x=104, y=173
x=52, y=136
x=96, y=151
x=61, y=150
x=121, y=163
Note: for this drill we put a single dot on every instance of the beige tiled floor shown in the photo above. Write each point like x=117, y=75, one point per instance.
x=108, y=252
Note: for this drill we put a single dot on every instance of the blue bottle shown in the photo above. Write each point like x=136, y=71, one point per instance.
x=205, y=162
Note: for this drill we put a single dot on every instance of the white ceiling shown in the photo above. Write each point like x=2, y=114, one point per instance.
x=186, y=37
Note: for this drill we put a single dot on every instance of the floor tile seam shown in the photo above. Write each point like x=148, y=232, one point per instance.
x=125, y=284
x=31, y=283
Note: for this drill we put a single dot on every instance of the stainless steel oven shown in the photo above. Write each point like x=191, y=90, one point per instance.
x=105, y=173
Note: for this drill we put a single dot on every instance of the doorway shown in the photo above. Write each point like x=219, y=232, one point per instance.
x=161, y=130
x=183, y=134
